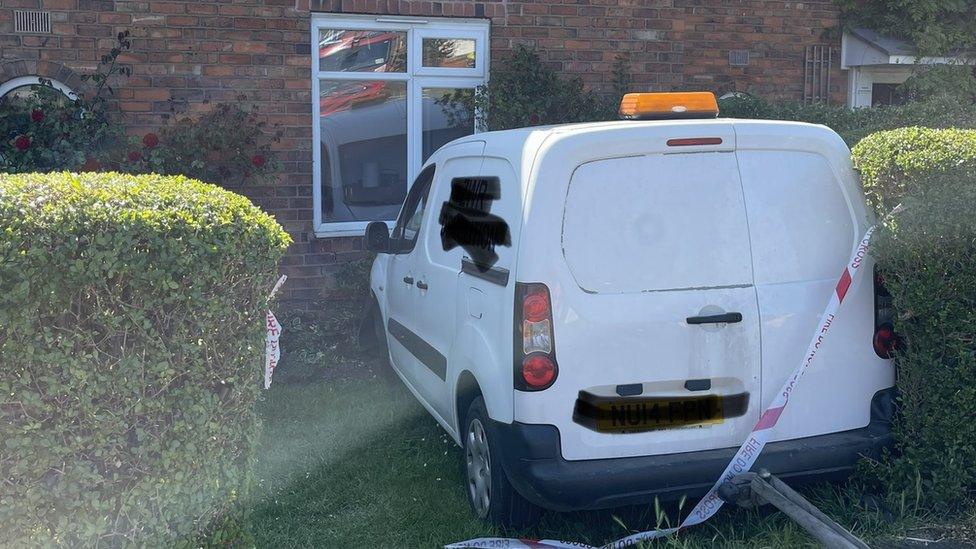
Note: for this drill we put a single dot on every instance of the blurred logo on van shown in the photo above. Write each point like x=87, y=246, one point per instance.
x=466, y=220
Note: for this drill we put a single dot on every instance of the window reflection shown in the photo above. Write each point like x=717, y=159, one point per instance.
x=362, y=51
x=20, y=95
x=368, y=86
x=455, y=53
x=448, y=113
x=412, y=227
x=364, y=149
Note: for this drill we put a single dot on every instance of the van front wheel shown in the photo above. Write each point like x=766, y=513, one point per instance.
x=489, y=492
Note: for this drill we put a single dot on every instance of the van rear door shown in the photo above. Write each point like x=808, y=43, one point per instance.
x=662, y=305
x=805, y=215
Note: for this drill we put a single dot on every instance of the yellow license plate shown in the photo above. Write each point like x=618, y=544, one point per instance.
x=627, y=415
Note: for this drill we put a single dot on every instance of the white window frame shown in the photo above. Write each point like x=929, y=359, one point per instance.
x=14, y=83
x=416, y=77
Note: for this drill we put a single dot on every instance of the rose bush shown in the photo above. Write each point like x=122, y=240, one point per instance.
x=44, y=130
x=230, y=143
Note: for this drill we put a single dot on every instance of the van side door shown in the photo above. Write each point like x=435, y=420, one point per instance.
x=401, y=277
x=436, y=269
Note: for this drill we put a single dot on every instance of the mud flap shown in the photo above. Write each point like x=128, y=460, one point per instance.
x=367, y=334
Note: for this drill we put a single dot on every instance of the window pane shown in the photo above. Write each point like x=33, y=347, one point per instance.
x=362, y=51
x=455, y=53
x=20, y=95
x=412, y=226
x=657, y=222
x=448, y=113
x=364, y=149
x=411, y=217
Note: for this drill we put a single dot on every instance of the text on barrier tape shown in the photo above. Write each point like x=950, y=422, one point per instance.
x=272, y=352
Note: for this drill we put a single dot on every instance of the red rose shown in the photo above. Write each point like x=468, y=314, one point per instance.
x=37, y=115
x=258, y=161
x=150, y=140
x=135, y=156
x=90, y=165
x=533, y=119
x=22, y=142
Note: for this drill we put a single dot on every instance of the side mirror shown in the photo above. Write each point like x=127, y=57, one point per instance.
x=378, y=237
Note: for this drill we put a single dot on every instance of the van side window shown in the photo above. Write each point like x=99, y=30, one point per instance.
x=467, y=220
x=411, y=216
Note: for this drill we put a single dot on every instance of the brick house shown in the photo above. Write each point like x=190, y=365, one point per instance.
x=376, y=69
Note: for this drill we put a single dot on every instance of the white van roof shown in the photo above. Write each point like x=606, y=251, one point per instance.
x=521, y=146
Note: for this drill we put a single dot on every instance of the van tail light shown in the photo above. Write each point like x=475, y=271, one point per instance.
x=538, y=371
x=885, y=340
x=534, y=349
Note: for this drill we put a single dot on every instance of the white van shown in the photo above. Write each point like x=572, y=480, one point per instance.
x=598, y=312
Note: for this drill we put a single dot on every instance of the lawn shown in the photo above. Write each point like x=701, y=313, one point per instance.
x=349, y=459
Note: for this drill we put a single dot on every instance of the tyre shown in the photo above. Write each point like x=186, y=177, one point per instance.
x=490, y=494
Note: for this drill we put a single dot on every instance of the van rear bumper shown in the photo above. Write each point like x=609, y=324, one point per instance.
x=533, y=462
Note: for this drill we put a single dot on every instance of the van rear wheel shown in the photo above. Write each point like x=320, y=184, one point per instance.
x=490, y=494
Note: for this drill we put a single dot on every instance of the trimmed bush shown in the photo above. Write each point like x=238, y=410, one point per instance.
x=523, y=91
x=928, y=259
x=855, y=124
x=912, y=161
x=131, y=339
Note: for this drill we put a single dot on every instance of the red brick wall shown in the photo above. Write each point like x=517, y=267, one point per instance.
x=187, y=55
x=668, y=44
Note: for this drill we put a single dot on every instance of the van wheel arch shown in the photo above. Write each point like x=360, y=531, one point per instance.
x=467, y=390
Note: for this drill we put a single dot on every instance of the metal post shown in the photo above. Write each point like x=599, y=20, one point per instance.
x=749, y=488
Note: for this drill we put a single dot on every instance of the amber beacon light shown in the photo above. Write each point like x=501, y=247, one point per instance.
x=655, y=106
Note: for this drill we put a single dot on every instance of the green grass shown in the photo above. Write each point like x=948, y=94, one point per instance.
x=356, y=462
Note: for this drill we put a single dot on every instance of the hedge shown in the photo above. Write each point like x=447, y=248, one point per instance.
x=855, y=124
x=524, y=91
x=131, y=338
x=911, y=161
x=928, y=259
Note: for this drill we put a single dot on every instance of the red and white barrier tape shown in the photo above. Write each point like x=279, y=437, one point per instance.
x=747, y=454
x=272, y=352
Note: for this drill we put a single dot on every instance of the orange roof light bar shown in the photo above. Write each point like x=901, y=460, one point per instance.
x=650, y=106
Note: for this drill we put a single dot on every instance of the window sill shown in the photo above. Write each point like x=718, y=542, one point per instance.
x=355, y=228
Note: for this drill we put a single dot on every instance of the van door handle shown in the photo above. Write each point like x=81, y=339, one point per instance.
x=422, y=285
x=408, y=279
x=729, y=318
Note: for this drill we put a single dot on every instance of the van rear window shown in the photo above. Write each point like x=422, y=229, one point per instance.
x=656, y=223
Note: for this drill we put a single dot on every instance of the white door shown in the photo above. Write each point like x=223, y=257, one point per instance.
x=436, y=270
x=401, y=290
x=661, y=306
x=803, y=230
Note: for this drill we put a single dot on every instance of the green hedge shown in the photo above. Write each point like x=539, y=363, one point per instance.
x=912, y=161
x=855, y=124
x=524, y=91
x=928, y=259
x=131, y=338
